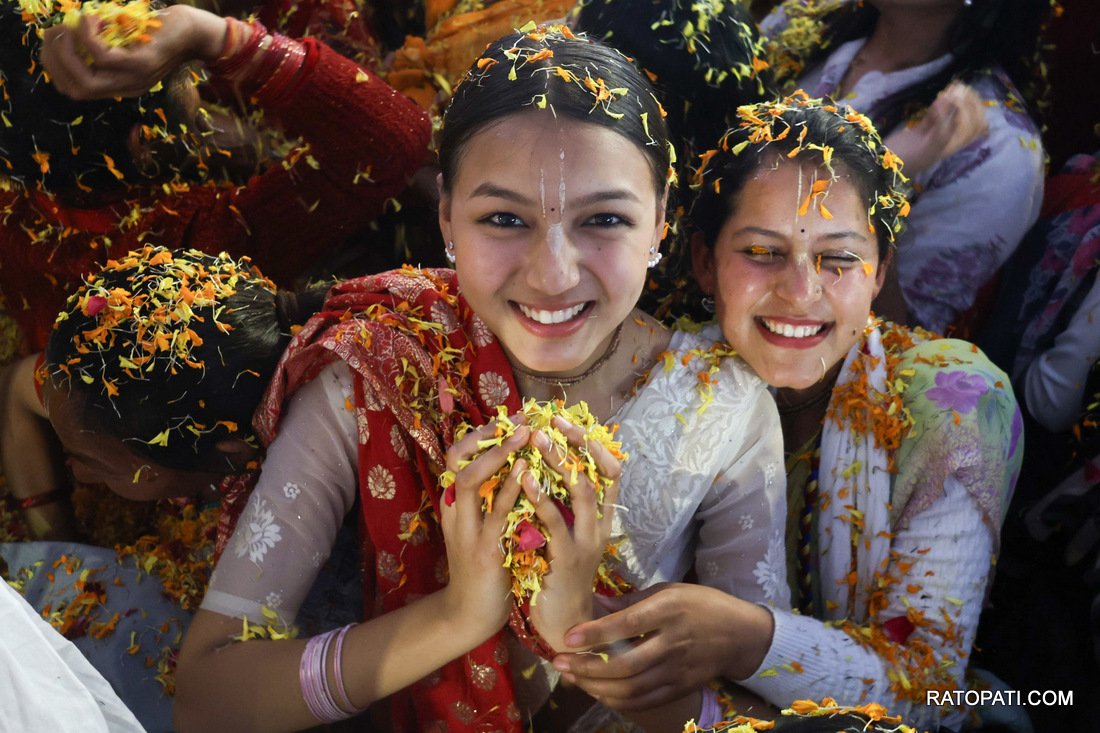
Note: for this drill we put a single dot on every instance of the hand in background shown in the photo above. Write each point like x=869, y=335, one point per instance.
x=955, y=119
x=82, y=66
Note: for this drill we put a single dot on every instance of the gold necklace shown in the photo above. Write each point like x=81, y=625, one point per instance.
x=576, y=378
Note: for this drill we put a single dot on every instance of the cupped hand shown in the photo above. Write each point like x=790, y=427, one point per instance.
x=954, y=120
x=574, y=552
x=479, y=590
x=664, y=642
x=83, y=67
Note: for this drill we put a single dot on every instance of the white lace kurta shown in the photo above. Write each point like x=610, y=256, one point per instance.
x=704, y=485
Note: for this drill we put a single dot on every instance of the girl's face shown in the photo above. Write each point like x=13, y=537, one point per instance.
x=792, y=287
x=101, y=458
x=553, y=221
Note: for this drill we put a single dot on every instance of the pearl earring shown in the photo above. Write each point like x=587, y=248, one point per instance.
x=449, y=252
x=654, y=257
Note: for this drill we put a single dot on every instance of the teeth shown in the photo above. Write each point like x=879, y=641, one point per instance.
x=786, y=329
x=560, y=316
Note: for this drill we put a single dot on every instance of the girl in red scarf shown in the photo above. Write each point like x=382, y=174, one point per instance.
x=555, y=165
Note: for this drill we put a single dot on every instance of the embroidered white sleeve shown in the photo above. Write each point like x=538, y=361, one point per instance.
x=950, y=558
x=703, y=483
x=308, y=483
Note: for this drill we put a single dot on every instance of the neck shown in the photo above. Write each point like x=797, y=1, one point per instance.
x=906, y=37
x=802, y=411
x=609, y=378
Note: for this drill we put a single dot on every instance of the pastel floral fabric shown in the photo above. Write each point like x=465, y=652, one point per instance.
x=1070, y=235
x=966, y=424
x=919, y=454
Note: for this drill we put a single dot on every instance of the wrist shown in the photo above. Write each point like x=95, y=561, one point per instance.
x=43, y=498
x=470, y=621
x=209, y=33
x=750, y=646
x=552, y=619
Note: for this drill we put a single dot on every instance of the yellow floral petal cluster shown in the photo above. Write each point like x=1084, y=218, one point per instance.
x=525, y=539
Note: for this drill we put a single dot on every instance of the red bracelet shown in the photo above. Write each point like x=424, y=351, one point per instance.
x=47, y=497
x=291, y=57
x=233, y=62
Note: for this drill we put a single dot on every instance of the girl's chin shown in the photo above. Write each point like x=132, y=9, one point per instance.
x=793, y=380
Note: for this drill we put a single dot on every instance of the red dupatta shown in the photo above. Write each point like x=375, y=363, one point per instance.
x=422, y=362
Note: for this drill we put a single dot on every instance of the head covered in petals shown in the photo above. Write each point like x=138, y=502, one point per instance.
x=549, y=70
x=170, y=351
x=830, y=136
x=704, y=58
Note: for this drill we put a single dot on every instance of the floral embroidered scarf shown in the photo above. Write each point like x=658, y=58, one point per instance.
x=908, y=411
x=422, y=362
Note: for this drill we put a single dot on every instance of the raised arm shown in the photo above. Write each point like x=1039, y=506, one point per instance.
x=361, y=141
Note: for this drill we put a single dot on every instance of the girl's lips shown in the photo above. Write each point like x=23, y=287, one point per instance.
x=550, y=316
x=553, y=323
x=793, y=333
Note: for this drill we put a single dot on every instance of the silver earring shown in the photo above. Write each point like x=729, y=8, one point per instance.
x=654, y=257
x=449, y=252
x=707, y=303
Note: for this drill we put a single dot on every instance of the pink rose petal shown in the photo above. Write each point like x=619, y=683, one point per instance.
x=94, y=304
x=528, y=537
x=898, y=629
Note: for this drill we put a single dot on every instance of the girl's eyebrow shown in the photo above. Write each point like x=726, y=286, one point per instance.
x=759, y=230
x=764, y=232
x=846, y=234
x=492, y=190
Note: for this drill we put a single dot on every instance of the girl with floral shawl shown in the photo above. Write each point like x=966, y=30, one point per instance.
x=551, y=247
x=903, y=449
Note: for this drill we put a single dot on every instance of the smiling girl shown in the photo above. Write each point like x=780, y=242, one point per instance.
x=902, y=449
x=555, y=169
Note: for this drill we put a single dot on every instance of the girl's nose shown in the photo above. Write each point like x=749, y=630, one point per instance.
x=800, y=281
x=553, y=266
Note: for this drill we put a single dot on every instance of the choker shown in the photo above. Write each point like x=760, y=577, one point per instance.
x=819, y=398
x=576, y=378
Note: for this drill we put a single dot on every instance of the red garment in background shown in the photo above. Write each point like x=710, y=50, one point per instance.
x=365, y=141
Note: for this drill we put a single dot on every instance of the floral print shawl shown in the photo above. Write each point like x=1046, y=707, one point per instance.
x=908, y=411
x=422, y=362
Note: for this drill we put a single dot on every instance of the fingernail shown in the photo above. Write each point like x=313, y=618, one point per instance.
x=560, y=664
x=574, y=639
